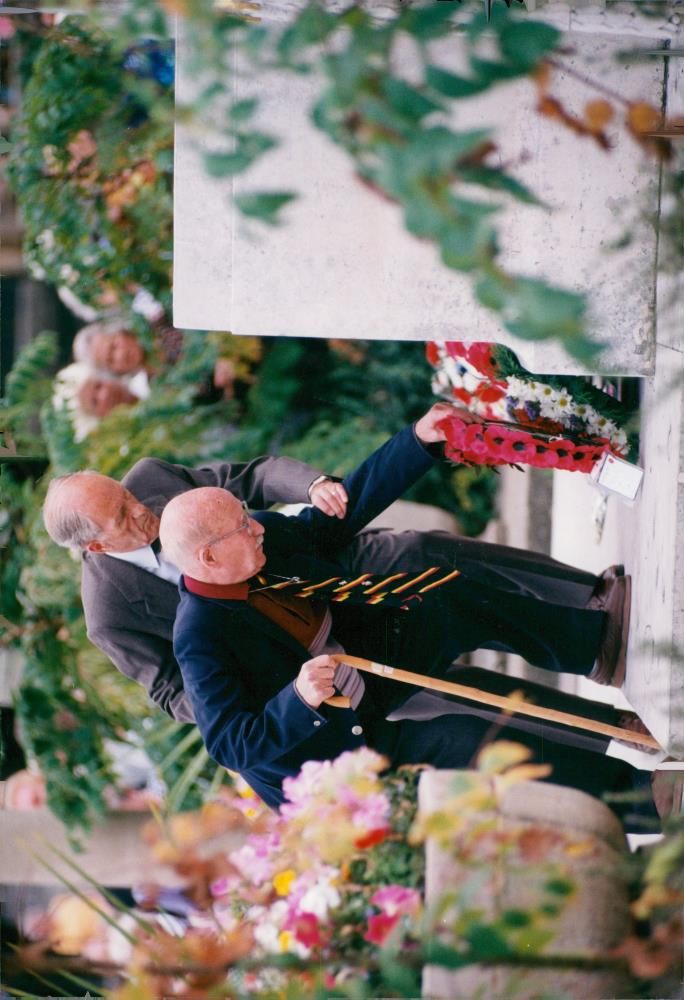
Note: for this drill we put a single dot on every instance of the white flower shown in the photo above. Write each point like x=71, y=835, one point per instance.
x=520, y=389
x=68, y=273
x=322, y=896
x=36, y=271
x=562, y=407
x=548, y=397
x=46, y=240
x=266, y=923
x=146, y=305
x=620, y=441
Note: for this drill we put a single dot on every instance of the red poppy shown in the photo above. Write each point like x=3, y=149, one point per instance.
x=456, y=348
x=479, y=355
x=490, y=392
x=545, y=458
x=432, y=353
x=454, y=429
x=463, y=395
x=518, y=447
x=564, y=450
x=474, y=444
x=495, y=436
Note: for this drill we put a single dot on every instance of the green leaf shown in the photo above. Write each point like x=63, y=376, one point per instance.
x=435, y=151
x=311, y=27
x=226, y=164
x=516, y=918
x=423, y=216
x=491, y=291
x=465, y=243
x=437, y=953
x=531, y=940
x=481, y=22
x=489, y=72
x=242, y=110
x=524, y=43
x=264, y=206
x=487, y=942
x=399, y=978
x=452, y=85
x=497, y=180
x=210, y=92
x=249, y=146
x=407, y=100
x=560, y=886
x=5, y=145
x=432, y=21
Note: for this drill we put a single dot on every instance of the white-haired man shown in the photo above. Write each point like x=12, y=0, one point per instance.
x=129, y=590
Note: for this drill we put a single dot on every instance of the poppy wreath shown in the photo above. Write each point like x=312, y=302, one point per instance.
x=579, y=420
x=495, y=443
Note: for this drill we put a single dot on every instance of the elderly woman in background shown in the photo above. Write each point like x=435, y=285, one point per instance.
x=109, y=347
x=98, y=395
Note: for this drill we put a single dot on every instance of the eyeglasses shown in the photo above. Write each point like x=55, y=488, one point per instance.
x=245, y=525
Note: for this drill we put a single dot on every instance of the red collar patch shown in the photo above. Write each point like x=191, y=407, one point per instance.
x=224, y=591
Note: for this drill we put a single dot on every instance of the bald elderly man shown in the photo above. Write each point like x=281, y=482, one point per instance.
x=254, y=639
x=129, y=590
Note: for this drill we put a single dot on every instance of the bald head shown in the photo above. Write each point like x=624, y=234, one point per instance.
x=208, y=535
x=86, y=510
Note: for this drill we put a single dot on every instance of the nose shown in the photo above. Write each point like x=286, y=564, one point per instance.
x=255, y=528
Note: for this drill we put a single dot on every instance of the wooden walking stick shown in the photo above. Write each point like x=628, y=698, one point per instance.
x=505, y=703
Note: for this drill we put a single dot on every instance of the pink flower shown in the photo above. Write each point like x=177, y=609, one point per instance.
x=380, y=926
x=306, y=929
x=6, y=27
x=396, y=899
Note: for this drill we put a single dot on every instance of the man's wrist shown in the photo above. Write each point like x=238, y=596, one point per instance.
x=316, y=482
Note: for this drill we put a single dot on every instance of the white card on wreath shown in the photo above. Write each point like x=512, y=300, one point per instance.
x=617, y=476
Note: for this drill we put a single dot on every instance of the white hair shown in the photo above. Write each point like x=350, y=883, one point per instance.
x=68, y=528
x=83, y=341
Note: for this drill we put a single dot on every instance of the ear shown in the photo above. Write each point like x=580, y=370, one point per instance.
x=95, y=546
x=205, y=557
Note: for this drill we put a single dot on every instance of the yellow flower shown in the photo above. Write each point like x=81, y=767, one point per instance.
x=283, y=880
x=285, y=940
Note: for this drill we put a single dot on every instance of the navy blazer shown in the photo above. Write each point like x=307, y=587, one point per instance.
x=238, y=666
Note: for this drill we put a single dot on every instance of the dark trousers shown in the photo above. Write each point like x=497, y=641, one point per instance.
x=457, y=618
x=454, y=742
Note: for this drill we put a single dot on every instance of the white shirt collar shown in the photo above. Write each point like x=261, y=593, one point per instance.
x=145, y=558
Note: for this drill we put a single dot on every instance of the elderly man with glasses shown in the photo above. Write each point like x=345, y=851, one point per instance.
x=266, y=604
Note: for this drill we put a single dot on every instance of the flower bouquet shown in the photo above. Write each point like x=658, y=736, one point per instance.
x=545, y=421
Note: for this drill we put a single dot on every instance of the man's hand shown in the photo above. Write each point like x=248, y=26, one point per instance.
x=329, y=497
x=429, y=433
x=314, y=682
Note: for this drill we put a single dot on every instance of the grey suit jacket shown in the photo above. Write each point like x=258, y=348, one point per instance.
x=129, y=612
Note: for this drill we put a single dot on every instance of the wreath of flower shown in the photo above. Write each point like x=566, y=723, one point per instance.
x=548, y=422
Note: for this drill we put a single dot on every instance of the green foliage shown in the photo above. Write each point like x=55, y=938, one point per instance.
x=29, y=384
x=92, y=172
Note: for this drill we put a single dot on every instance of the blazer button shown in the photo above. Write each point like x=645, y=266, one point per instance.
x=357, y=730
x=317, y=722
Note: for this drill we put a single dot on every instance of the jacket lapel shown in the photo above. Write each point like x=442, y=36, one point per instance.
x=261, y=625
